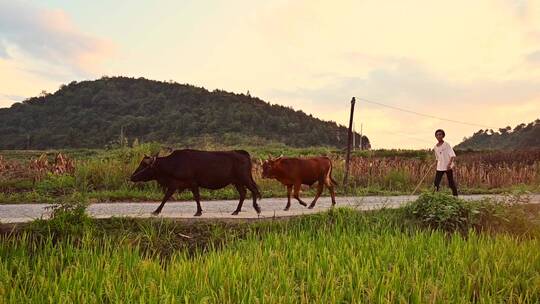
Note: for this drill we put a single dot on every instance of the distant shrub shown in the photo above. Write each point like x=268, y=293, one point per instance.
x=111, y=170
x=511, y=214
x=16, y=185
x=56, y=184
x=396, y=180
x=442, y=211
x=68, y=218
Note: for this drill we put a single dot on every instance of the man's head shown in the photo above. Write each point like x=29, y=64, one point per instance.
x=146, y=170
x=439, y=134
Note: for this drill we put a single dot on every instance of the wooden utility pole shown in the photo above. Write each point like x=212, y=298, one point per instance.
x=349, y=141
x=361, y=134
x=353, y=137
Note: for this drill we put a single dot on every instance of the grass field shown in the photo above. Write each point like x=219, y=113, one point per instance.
x=436, y=250
x=103, y=175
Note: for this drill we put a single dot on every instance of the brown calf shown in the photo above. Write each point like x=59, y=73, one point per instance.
x=294, y=172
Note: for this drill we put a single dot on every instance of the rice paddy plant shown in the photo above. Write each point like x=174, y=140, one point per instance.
x=337, y=257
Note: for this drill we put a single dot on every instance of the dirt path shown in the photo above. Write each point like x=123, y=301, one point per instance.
x=271, y=207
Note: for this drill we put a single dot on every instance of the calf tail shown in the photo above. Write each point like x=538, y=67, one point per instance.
x=330, y=176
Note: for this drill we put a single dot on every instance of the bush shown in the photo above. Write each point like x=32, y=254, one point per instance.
x=442, y=211
x=396, y=180
x=511, y=214
x=111, y=170
x=16, y=185
x=68, y=218
x=56, y=184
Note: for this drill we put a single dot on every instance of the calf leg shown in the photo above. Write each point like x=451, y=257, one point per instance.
x=197, y=197
x=332, y=193
x=297, y=194
x=242, y=191
x=329, y=182
x=289, y=190
x=320, y=186
x=168, y=194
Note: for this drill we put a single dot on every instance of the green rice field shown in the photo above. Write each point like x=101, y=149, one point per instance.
x=341, y=256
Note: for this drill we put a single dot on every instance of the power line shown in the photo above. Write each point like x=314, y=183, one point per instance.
x=422, y=114
x=423, y=140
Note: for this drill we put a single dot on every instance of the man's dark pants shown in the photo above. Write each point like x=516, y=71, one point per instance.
x=451, y=183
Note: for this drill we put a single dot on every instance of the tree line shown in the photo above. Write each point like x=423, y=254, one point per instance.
x=522, y=136
x=101, y=112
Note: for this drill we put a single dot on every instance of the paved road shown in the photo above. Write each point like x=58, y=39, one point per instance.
x=271, y=207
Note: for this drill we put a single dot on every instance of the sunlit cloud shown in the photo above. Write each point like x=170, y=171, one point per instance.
x=6, y=99
x=49, y=36
x=534, y=57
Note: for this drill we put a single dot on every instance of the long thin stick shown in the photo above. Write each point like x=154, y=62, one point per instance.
x=423, y=177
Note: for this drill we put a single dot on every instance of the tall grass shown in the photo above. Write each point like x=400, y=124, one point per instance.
x=472, y=171
x=337, y=257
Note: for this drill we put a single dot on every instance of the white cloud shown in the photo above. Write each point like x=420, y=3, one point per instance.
x=7, y=99
x=41, y=48
x=534, y=57
x=48, y=36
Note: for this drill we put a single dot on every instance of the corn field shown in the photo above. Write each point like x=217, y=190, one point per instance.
x=473, y=170
x=37, y=168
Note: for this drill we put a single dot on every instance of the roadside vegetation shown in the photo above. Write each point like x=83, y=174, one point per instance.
x=103, y=175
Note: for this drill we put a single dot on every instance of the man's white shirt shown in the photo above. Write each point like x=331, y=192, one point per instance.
x=443, y=153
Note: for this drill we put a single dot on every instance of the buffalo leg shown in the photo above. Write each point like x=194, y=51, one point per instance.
x=289, y=190
x=242, y=191
x=252, y=186
x=320, y=186
x=197, y=197
x=168, y=194
x=297, y=194
x=254, y=193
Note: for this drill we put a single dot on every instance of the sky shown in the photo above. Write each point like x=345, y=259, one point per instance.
x=471, y=61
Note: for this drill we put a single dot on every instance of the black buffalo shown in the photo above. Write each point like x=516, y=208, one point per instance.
x=192, y=169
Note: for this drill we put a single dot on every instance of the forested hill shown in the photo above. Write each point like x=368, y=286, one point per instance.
x=100, y=112
x=523, y=136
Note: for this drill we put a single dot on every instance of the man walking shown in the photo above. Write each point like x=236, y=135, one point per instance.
x=445, y=156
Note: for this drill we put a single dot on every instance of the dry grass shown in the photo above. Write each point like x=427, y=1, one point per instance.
x=474, y=170
x=36, y=168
